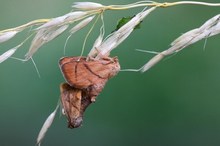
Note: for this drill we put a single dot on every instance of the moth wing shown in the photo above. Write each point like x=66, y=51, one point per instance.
x=75, y=72
x=99, y=68
x=71, y=102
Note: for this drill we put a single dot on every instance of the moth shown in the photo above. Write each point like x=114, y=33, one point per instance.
x=74, y=102
x=86, y=78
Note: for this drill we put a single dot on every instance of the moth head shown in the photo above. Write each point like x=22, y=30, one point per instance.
x=76, y=122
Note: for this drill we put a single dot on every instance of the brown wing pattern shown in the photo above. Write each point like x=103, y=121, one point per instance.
x=81, y=73
x=85, y=80
x=71, y=101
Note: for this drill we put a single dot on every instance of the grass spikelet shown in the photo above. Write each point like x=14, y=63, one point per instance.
x=46, y=126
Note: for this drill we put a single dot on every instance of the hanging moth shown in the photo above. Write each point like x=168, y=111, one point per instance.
x=85, y=80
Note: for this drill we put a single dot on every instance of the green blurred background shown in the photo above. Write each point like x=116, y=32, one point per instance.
x=176, y=103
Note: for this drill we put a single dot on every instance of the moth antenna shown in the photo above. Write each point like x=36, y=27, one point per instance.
x=38, y=73
x=99, y=40
x=64, y=48
x=87, y=35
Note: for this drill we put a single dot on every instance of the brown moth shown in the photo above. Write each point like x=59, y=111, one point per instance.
x=85, y=80
x=81, y=73
x=74, y=102
x=92, y=74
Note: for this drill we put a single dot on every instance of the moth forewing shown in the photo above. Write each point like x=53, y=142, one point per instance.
x=71, y=101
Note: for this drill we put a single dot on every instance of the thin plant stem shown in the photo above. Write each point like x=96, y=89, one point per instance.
x=87, y=35
x=32, y=23
x=156, y=4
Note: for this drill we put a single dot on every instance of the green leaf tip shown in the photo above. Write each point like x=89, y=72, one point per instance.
x=125, y=20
